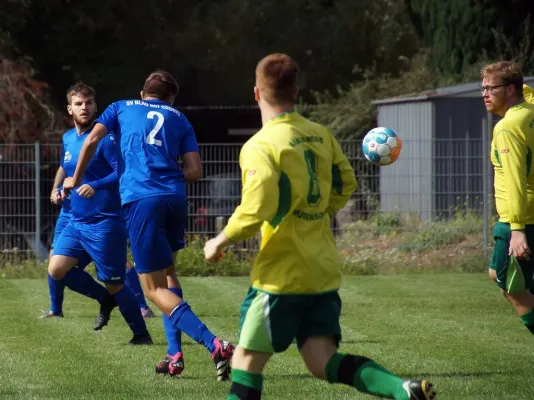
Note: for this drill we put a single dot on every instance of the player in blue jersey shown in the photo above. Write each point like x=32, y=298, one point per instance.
x=57, y=287
x=96, y=230
x=153, y=137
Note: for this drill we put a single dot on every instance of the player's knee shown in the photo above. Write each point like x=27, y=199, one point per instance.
x=316, y=352
x=55, y=273
x=251, y=361
x=56, y=270
x=113, y=288
x=492, y=274
x=316, y=368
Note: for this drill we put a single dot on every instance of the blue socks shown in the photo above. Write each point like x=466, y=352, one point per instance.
x=183, y=318
x=81, y=282
x=129, y=309
x=173, y=335
x=57, y=292
x=132, y=282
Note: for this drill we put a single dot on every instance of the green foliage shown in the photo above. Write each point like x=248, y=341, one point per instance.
x=465, y=32
x=190, y=262
x=439, y=234
x=211, y=46
x=390, y=243
x=350, y=113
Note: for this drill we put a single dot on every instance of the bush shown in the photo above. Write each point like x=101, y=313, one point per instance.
x=191, y=262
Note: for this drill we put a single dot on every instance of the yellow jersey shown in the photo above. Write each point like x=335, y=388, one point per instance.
x=295, y=176
x=511, y=156
x=528, y=94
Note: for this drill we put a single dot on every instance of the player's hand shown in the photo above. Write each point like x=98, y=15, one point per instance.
x=518, y=245
x=68, y=185
x=213, y=251
x=86, y=191
x=55, y=197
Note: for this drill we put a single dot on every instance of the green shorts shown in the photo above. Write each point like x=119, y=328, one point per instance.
x=269, y=322
x=513, y=275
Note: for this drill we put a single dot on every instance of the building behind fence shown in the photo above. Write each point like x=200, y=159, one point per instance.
x=27, y=218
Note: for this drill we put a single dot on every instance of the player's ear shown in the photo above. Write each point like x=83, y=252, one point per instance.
x=256, y=94
x=142, y=95
x=69, y=109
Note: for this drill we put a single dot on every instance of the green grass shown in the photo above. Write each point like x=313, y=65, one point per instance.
x=455, y=329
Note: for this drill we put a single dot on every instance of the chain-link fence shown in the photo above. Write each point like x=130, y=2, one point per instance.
x=428, y=186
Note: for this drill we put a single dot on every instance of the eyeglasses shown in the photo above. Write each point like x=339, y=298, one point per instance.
x=491, y=89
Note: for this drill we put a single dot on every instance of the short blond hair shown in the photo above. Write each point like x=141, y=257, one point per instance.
x=507, y=71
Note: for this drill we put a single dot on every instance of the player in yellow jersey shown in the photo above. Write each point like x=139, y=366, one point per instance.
x=295, y=177
x=528, y=94
x=512, y=267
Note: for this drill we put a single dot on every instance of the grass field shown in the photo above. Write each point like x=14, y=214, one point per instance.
x=454, y=329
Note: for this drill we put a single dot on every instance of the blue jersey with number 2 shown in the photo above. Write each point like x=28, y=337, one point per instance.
x=153, y=135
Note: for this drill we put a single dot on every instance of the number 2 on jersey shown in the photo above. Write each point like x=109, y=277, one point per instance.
x=314, y=191
x=151, y=138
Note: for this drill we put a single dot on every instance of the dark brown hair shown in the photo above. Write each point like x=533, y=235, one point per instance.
x=160, y=84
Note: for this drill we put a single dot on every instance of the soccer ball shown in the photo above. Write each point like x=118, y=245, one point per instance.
x=382, y=146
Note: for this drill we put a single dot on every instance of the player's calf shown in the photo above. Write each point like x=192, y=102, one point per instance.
x=131, y=313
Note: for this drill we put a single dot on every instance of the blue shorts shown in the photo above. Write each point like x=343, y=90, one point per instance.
x=103, y=242
x=156, y=227
x=61, y=223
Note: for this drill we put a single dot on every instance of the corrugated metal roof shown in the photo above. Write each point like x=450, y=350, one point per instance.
x=219, y=107
x=450, y=91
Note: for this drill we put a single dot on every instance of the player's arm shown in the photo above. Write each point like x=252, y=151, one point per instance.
x=55, y=196
x=259, y=197
x=105, y=123
x=190, y=156
x=192, y=166
x=512, y=156
x=343, y=180
x=111, y=151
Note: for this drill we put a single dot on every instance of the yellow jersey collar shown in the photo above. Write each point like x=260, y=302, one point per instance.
x=280, y=117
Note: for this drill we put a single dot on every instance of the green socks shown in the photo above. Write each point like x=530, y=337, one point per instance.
x=365, y=375
x=359, y=372
x=245, y=385
x=528, y=320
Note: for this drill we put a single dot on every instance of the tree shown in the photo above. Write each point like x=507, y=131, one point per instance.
x=211, y=46
x=26, y=115
x=461, y=33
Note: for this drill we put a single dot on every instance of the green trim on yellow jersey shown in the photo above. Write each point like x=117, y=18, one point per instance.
x=284, y=201
x=337, y=182
x=295, y=293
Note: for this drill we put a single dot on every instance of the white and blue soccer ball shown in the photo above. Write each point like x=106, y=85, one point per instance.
x=382, y=146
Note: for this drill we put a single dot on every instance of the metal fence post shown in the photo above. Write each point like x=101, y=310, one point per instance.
x=37, y=166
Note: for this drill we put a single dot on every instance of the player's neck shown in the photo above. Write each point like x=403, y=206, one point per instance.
x=511, y=104
x=269, y=112
x=81, y=129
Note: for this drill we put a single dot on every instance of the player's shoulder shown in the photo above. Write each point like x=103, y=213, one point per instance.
x=528, y=94
x=516, y=119
x=69, y=134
